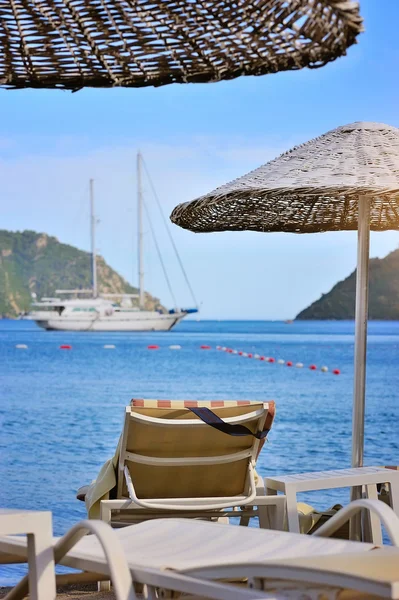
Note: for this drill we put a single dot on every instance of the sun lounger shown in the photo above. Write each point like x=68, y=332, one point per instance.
x=185, y=457
x=204, y=559
x=106, y=554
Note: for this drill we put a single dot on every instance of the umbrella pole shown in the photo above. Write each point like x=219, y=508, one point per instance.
x=361, y=316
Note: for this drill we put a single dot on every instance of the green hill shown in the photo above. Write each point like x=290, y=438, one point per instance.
x=35, y=262
x=339, y=303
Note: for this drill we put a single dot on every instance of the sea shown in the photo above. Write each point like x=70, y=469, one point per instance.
x=61, y=411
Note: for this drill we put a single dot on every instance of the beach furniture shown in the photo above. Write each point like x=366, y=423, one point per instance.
x=37, y=526
x=208, y=559
x=367, y=478
x=187, y=458
x=103, y=554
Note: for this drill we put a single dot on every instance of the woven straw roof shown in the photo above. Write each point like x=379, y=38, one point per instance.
x=313, y=187
x=104, y=43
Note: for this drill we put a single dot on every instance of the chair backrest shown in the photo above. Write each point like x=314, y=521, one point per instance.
x=171, y=453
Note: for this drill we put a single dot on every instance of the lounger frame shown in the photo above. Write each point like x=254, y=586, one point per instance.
x=265, y=576
x=189, y=504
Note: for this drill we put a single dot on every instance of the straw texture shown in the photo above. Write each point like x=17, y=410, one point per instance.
x=313, y=187
x=104, y=43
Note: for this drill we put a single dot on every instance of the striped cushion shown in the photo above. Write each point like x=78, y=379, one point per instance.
x=187, y=403
x=179, y=404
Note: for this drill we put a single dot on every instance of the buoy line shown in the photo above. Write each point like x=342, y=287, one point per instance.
x=255, y=356
x=280, y=361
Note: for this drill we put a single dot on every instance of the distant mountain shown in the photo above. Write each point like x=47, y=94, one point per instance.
x=36, y=262
x=339, y=303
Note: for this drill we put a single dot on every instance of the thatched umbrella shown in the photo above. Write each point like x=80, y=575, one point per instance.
x=72, y=44
x=343, y=180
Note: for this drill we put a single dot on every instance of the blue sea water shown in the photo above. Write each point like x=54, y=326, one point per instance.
x=61, y=411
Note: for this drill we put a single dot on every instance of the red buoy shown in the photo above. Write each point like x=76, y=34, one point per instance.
x=249, y=355
x=153, y=347
x=205, y=347
x=313, y=367
x=288, y=363
x=240, y=353
x=65, y=347
x=272, y=360
x=262, y=358
x=337, y=372
x=229, y=350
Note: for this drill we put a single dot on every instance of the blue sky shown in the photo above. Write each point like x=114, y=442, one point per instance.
x=194, y=138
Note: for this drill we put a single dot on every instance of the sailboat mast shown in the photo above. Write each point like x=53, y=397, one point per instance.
x=93, y=240
x=140, y=231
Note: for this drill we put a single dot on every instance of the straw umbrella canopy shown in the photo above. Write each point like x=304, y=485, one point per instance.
x=344, y=180
x=135, y=43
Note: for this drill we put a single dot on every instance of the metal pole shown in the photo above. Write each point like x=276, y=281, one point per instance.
x=140, y=231
x=361, y=316
x=93, y=240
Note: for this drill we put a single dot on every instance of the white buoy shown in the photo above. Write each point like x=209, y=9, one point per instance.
x=175, y=347
x=21, y=346
x=224, y=348
x=109, y=346
x=299, y=365
x=281, y=361
x=257, y=356
x=245, y=354
x=324, y=369
x=235, y=352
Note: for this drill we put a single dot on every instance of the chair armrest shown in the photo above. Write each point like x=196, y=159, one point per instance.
x=114, y=554
x=386, y=515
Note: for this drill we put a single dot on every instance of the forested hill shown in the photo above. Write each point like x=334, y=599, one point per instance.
x=36, y=262
x=339, y=303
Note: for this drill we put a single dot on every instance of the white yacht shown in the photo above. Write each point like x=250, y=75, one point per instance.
x=107, y=312
x=100, y=314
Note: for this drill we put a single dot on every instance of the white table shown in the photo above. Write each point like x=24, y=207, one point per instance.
x=367, y=477
x=38, y=527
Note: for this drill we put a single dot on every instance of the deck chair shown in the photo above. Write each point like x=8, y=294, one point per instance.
x=209, y=560
x=104, y=555
x=187, y=458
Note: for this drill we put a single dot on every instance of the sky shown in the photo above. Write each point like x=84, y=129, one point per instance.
x=194, y=138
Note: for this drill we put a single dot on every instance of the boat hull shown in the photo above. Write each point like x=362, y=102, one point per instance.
x=143, y=322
